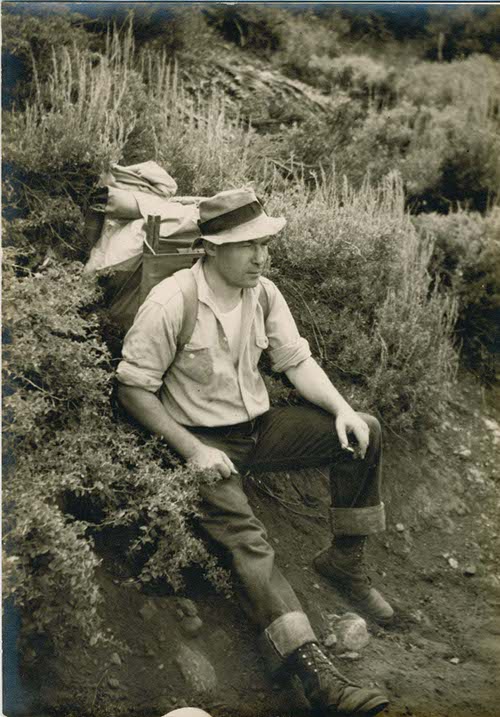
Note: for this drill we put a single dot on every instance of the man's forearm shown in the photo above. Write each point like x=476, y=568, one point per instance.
x=314, y=385
x=148, y=410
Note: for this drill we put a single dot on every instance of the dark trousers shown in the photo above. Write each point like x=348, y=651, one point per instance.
x=286, y=438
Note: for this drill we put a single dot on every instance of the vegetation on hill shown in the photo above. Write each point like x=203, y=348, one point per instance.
x=386, y=299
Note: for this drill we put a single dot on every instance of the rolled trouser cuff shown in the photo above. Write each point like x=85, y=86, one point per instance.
x=285, y=635
x=358, y=521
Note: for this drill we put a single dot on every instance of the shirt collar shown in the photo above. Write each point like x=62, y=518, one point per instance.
x=206, y=295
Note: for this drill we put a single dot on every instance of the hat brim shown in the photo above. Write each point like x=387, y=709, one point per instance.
x=258, y=228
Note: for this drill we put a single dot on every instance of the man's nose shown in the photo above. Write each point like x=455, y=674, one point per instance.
x=260, y=254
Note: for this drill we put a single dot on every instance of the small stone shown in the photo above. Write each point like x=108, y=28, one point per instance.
x=160, y=667
x=187, y=606
x=463, y=452
x=116, y=659
x=400, y=527
x=433, y=446
x=197, y=671
x=453, y=563
x=191, y=625
x=446, y=556
x=350, y=656
x=454, y=661
x=148, y=610
x=330, y=640
x=114, y=683
x=315, y=585
x=352, y=634
x=470, y=570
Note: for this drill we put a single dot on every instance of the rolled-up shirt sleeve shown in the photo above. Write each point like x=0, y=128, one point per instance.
x=287, y=347
x=150, y=345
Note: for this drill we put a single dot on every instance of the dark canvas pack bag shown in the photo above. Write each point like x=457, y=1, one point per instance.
x=127, y=290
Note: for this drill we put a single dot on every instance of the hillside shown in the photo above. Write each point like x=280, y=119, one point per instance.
x=377, y=137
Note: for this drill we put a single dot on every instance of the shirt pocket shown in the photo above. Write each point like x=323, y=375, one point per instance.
x=196, y=362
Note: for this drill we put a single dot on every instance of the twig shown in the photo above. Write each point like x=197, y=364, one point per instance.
x=97, y=686
x=287, y=504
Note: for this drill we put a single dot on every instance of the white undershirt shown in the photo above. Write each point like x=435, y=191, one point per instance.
x=231, y=322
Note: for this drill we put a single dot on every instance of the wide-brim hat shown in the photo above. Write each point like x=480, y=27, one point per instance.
x=235, y=215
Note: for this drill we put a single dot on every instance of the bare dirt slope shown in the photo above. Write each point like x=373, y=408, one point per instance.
x=438, y=563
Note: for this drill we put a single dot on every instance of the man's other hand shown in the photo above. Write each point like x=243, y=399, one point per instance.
x=206, y=457
x=349, y=422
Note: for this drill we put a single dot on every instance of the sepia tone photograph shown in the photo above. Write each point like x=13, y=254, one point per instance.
x=226, y=226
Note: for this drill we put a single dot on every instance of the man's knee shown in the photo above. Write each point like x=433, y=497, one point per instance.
x=375, y=439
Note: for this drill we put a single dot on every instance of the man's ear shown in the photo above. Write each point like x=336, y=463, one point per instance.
x=209, y=247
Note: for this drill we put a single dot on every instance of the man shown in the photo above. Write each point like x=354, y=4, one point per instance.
x=213, y=409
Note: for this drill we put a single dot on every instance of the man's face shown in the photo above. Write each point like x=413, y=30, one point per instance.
x=241, y=264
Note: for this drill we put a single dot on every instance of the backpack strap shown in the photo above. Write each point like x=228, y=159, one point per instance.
x=264, y=302
x=189, y=289
x=187, y=283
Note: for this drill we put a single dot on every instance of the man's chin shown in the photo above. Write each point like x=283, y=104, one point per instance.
x=252, y=280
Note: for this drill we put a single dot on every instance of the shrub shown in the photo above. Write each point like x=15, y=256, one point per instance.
x=67, y=447
x=356, y=277
x=359, y=75
x=28, y=43
x=444, y=156
x=307, y=36
x=258, y=27
x=465, y=262
x=194, y=137
x=472, y=84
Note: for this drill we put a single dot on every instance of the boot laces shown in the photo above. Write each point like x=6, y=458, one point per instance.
x=311, y=657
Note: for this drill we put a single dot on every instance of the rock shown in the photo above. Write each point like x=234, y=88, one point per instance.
x=148, y=610
x=433, y=446
x=188, y=607
x=454, y=661
x=315, y=585
x=192, y=625
x=352, y=634
x=476, y=475
x=330, y=640
x=400, y=527
x=223, y=641
x=114, y=683
x=470, y=570
x=349, y=656
x=453, y=563
x=197, y=671
x=116, y=659
x=463, y=452
x=494, y=428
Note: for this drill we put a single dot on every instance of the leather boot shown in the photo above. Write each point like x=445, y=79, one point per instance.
x=327, y=689
x=343, y=564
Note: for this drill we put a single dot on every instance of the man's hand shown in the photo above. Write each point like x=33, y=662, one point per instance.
x=206, y=457
x=349, y=422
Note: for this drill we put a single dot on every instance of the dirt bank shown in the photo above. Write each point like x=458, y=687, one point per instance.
x=438, y=562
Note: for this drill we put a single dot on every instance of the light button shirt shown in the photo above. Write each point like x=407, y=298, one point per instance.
x=200, y=385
